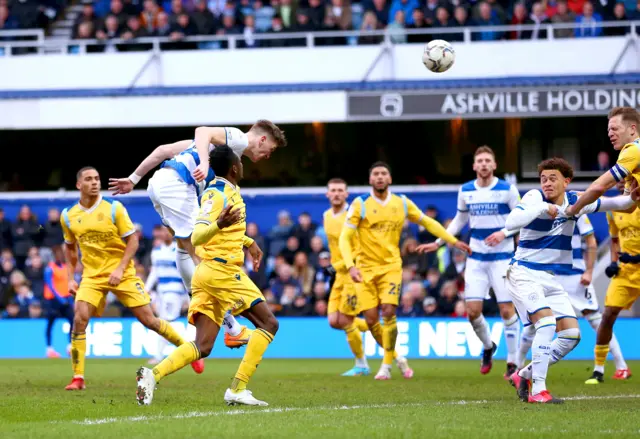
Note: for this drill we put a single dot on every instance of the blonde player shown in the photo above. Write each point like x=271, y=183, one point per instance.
x=175, y=188
x=220, y=285
x=624, y=123
x=623, y=291
x=343, y=299
x=106, y=238
x=378, y=219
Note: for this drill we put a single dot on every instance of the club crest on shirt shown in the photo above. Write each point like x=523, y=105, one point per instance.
x=100, y=216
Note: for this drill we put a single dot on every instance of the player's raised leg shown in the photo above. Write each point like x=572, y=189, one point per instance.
x=261, y=337
x=163, y=328
x=206, y=333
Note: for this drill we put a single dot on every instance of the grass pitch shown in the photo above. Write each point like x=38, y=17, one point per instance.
x=309, y=398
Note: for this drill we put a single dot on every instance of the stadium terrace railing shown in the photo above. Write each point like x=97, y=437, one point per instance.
x=33, y=37
x=310, y=39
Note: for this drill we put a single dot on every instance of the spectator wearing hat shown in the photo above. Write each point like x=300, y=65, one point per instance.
x=430, y=307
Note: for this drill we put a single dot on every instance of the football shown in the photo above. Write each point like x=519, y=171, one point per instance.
x=438, y=56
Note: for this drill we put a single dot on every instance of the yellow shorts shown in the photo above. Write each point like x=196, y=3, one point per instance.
x=624, y=288
x=380, y=285
x=344, y=295
x=217, y=288
x=130, y=292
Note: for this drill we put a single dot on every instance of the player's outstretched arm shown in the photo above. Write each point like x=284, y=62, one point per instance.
x=621, y=203
x=628, y=160
x=593, y=192
x=416, y=216
x=455, y=226
x=160, y=154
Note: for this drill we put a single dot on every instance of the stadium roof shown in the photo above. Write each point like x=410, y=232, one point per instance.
x=448, y=84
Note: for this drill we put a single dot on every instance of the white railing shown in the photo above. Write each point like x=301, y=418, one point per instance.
x=310, y=39
x=37, y=34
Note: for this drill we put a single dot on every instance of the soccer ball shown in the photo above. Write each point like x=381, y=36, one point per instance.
x=438, y=56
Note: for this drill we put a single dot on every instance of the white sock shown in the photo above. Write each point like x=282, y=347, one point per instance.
x=566, y=341
x=385, y=367
x=526, y=340
x=481, y=329
x=614, y=347
x=231, y=325
x=186, y=267
x=599, y=368
x=541, y=349
x=511, y=335
x=162, y=344
x=362, y=362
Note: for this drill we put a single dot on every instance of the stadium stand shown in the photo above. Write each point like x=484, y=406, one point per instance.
x=112, y=25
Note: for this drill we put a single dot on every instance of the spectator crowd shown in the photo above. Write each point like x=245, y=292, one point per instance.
x=294, y=275
x=106, y=20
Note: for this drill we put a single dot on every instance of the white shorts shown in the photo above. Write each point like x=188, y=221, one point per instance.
x=169, y=305
x=582, y=298
x=175, y=201
x=479, y=276
x=533, y=290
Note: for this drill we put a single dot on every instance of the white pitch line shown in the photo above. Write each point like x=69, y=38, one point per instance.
x=234, y=412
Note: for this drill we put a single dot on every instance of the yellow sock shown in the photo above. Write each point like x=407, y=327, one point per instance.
x=170, y=334
x=183, y=355
x=376, y=331
x=361, y=324
x=389, y=336
x=78, y=352
x=258, y=344
x=601, y=352
x=354, y=338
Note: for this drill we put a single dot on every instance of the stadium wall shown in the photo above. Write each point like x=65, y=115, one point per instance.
x=263, y=205
x=298, y=337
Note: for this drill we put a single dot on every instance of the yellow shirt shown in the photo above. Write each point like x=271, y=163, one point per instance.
x=628, y=164
x=626, y=227
x=99, y=232
x=379, y=225
x=226, y=245
x=333, y=224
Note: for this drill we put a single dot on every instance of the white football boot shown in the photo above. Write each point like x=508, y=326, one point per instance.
x=146, y=386
x=403, y=365
x=384, y=373
x=242, y=398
